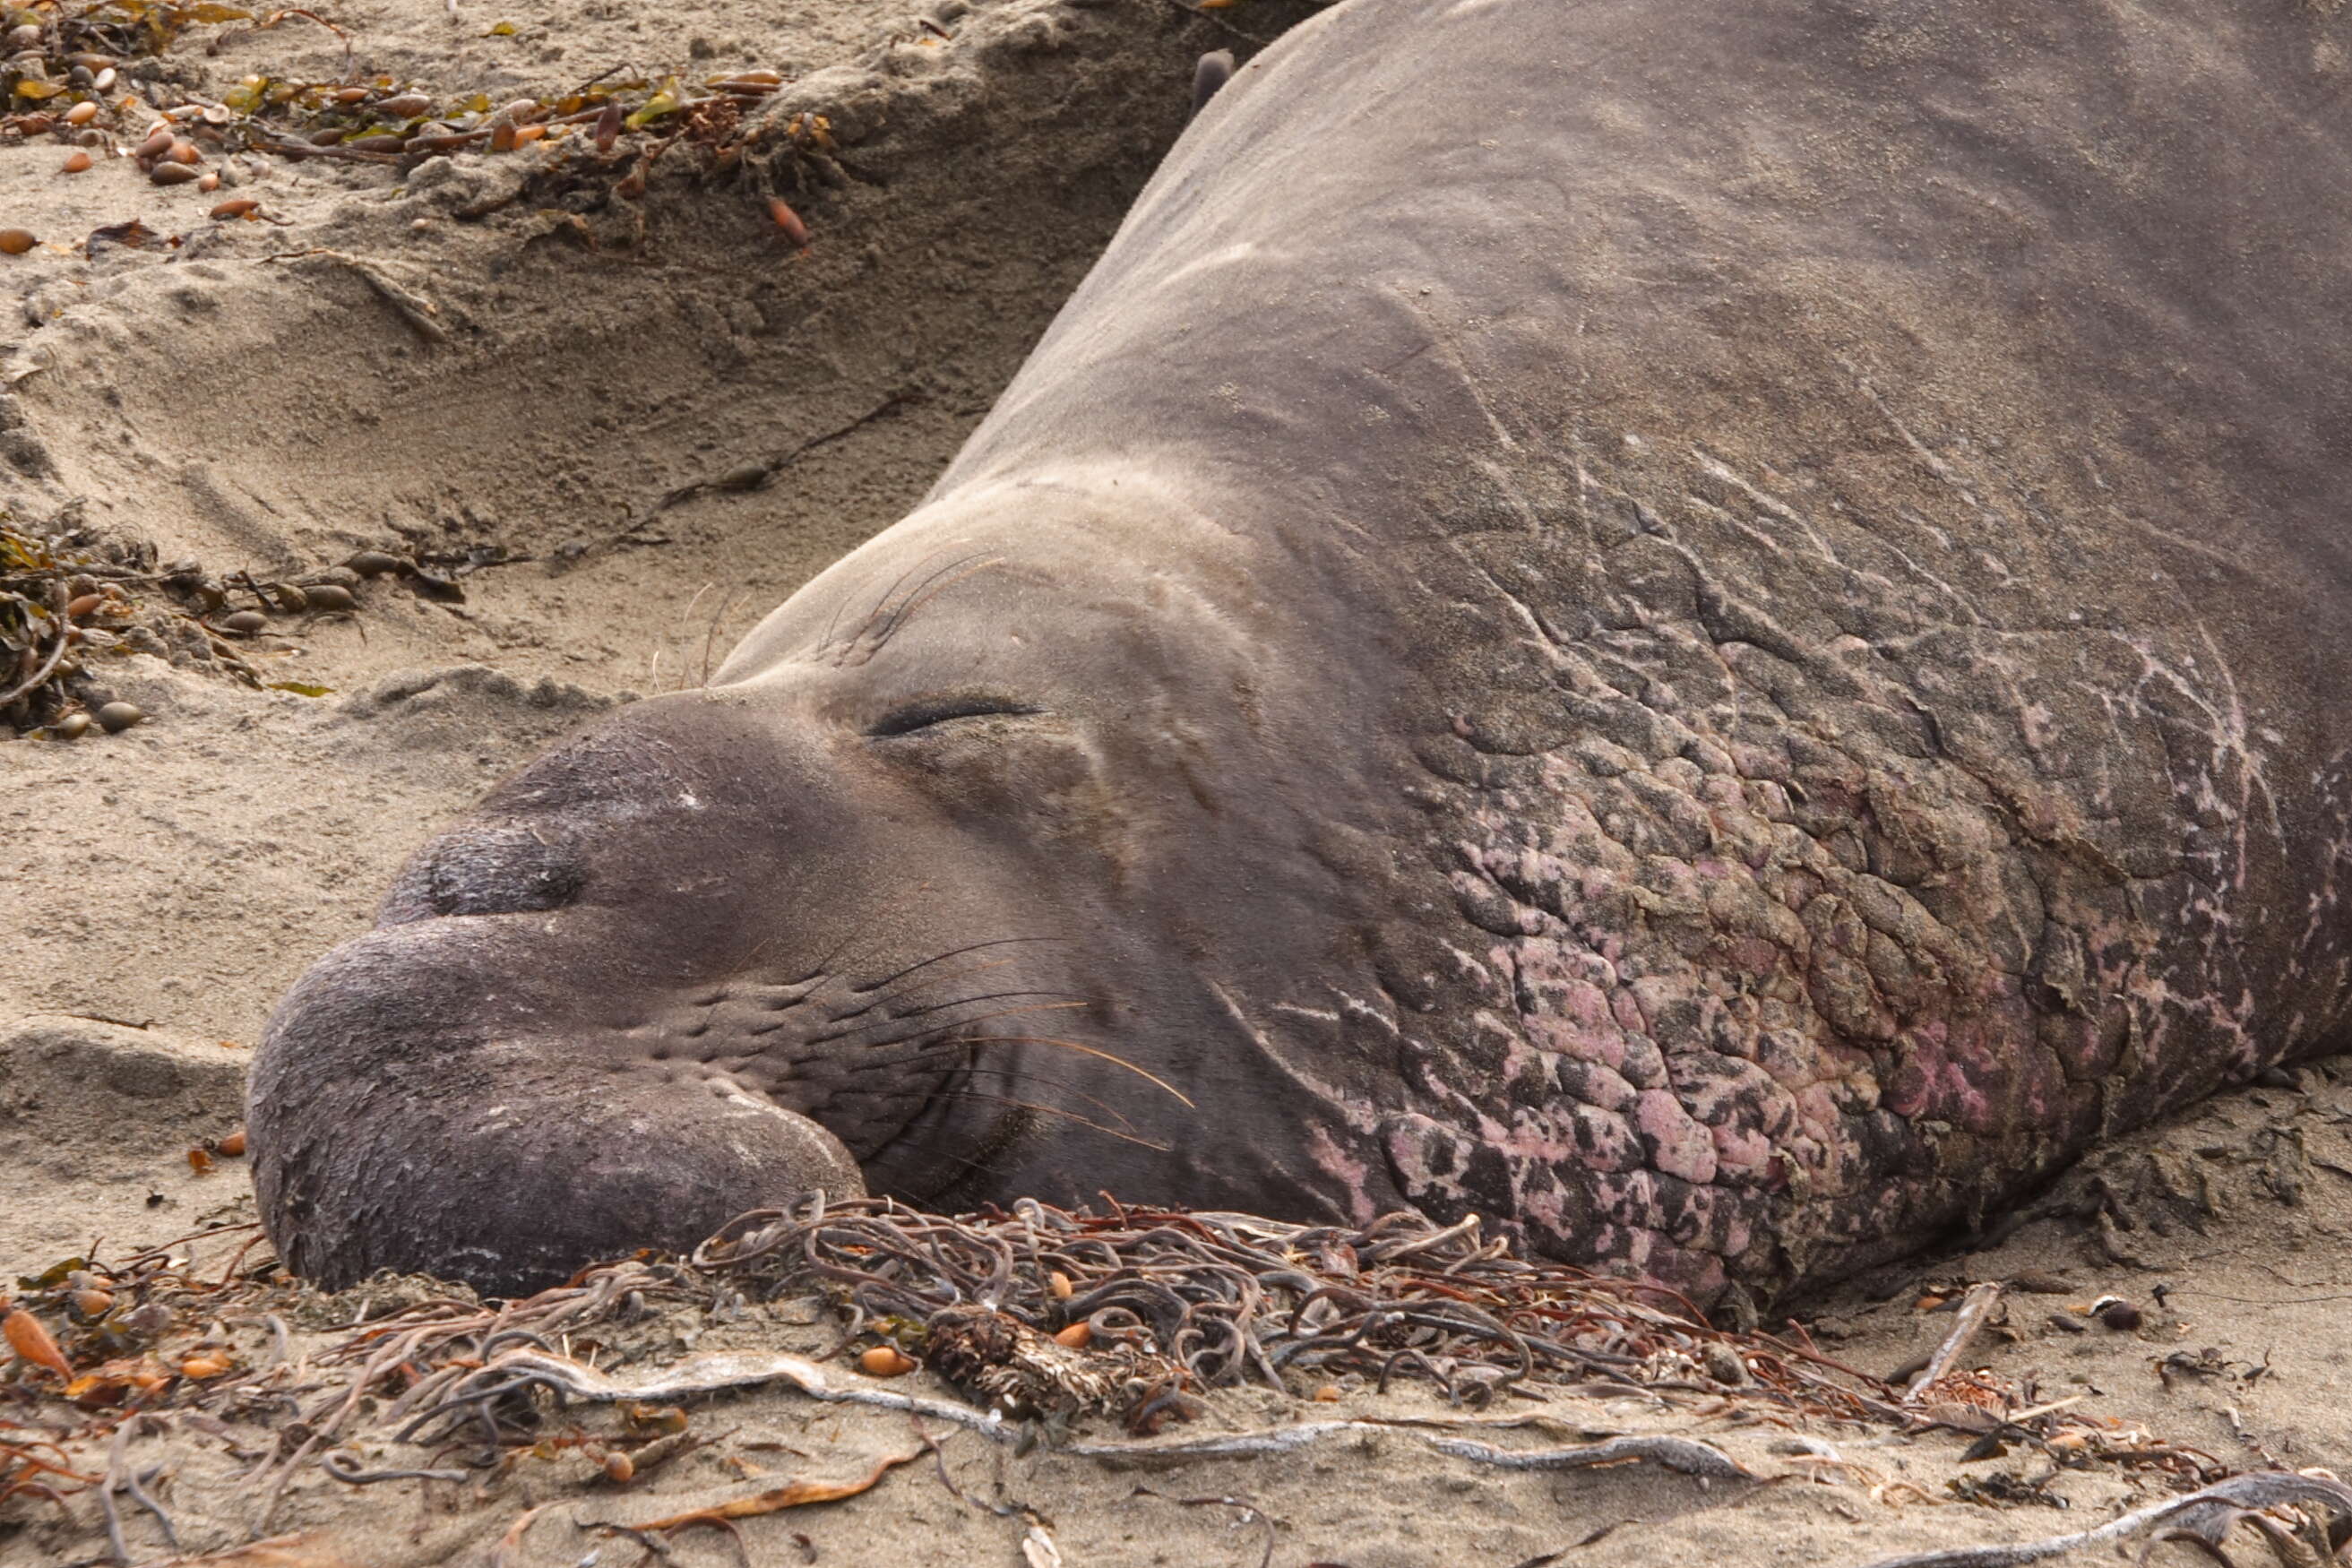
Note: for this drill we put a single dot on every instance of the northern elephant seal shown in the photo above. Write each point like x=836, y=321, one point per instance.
x=1719, y=632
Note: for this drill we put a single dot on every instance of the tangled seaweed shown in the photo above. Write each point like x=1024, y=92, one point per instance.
x=1042, y=1315
x=61, y=597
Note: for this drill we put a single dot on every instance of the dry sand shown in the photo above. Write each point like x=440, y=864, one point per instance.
x=583, y=359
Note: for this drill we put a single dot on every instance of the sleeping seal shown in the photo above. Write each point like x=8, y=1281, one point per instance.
x=1720, y=633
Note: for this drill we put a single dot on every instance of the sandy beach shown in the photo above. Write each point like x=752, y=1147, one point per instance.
x=612, y=409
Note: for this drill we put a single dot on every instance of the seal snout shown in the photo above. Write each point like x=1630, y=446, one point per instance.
x=488, y=869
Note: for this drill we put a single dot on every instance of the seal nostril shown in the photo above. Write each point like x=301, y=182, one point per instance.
x=486, y=871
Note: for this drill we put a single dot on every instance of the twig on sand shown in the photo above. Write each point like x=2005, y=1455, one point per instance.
x=1974, y=1309
x=756, y=475
x=2207, y=1514
x=419, y=313
x=67, y=634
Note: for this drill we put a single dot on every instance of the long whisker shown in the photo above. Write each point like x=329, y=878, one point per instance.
x=1067, y=1115
x=915, y=594
x=922, y=1036
x=1075, y=1046
x=1107, y=1109
x=869, y=928
x=881, y=604
x=1021, y=1104
x=957, y=974
x=885, y=1021
x=940, y=958
x=926, y=594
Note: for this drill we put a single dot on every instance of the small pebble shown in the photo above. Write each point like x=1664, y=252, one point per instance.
x=404, y=106
x=16, y=241
x=72, y=727
x=619, y=1468
x=328, y=596
x=85, y=606
x=2118, y=1314
x=245, y=623
x=208, y=181
x=885, y=1361
x=184, y=153
x=75, y=162
x=2034, y=1282
x=289, y=598
x=159, y=142
x=1724, y=1364
x=1076, y=1337
x=1058, y=1284
x=92, y=1303
x=235, y=207
x=789, y=221
x=234, y=1144
x=116, y=717
x=374, y=562
x=82, y=114
x=1328, y=1394
x=173, y=175
x=197, y=1368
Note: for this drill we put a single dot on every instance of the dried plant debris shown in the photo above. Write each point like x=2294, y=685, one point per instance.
x=66, y=596
x=1045, y=1318
x=71, y=596
x=95, y=79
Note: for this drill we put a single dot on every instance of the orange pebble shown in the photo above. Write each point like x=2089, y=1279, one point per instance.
x=235, y=207
x=789, y=221
x=526, y=134
x=197, y=1368
x=619, y=1468
x=233, y=1145
x=84, y=606
x=1328, y=1394
x=886, y=1361
x=75, y=162
x=29, y=1339
x=1076, y=1337
x=82, y=114
x=1058, y=1283
x=199, y=1161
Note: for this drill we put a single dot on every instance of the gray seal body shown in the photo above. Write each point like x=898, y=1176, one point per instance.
x=1719, y=633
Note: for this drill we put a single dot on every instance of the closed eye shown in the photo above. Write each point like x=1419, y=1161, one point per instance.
x=926, y=712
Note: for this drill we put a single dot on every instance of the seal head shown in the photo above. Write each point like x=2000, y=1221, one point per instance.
x=921, y=886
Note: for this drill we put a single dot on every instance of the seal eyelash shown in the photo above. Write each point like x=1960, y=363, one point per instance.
x=926, y=712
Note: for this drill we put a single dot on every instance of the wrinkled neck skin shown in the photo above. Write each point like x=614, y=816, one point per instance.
x=1863, y=584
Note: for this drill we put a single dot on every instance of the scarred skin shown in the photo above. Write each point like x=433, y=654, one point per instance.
x=1717, y=632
